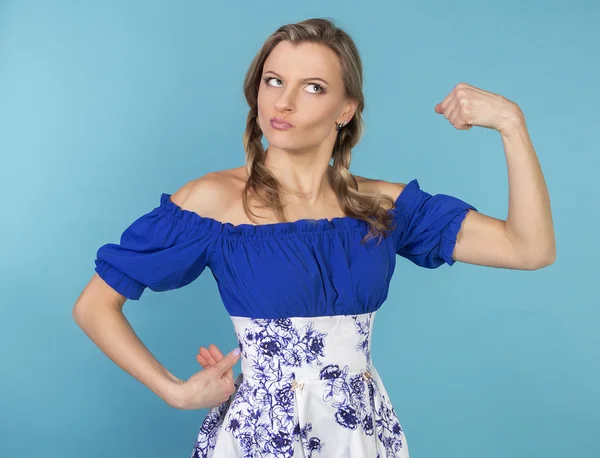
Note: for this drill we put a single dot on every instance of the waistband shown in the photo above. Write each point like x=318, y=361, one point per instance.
x=297, y=350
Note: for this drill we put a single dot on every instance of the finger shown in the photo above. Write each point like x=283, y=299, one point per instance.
x=459, y=119
x=454, y=117
x=202, y=361
x=451, y=111
x=218, y=356
x=206, y=354
x=463, y=125
x=228, y=361
x=215, y=352
x=441, y=107
x=459, y=122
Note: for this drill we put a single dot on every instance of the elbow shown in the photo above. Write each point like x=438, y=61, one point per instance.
x=96, y=297
x=540, y=260
x=78, y=315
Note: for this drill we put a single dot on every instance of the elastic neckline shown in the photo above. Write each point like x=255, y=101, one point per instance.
x=196, y=220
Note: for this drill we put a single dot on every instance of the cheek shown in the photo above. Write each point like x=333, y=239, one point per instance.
x=263, y=108
x=319, y=117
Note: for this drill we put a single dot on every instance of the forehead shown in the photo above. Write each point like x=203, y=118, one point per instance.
x=303, y=60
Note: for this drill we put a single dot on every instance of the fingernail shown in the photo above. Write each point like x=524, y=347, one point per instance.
x=237, y=351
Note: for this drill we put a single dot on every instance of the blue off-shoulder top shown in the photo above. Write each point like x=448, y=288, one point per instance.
x=289, y=269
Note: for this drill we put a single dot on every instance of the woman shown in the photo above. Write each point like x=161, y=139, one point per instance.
x=303, y=252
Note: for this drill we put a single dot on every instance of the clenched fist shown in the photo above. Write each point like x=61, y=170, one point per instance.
x=467, y=106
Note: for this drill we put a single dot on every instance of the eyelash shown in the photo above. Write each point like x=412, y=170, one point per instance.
x=267, y=78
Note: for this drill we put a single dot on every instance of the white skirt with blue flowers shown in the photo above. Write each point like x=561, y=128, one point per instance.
x=307, y=389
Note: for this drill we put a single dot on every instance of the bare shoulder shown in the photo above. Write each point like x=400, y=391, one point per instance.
x=211, y=194
x=388, y=188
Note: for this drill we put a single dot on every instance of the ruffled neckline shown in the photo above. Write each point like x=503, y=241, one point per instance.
x=338, y=223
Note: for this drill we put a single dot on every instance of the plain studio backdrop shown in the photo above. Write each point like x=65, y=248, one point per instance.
x=105, y=105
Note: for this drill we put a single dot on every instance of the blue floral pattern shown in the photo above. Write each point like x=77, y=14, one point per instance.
x=263, y=418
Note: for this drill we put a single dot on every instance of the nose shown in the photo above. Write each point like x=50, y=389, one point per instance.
x=285, y=102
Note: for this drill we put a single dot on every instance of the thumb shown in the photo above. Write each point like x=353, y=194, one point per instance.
x=438, y=108
x=229, y=360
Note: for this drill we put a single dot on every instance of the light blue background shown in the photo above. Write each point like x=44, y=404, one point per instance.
x=104, y=106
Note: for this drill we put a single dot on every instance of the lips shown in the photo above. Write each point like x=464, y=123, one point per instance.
x=280, y=123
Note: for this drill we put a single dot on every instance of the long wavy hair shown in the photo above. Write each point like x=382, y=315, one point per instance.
x=261, y=182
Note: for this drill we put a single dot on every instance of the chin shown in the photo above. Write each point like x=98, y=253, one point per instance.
x=285, y=145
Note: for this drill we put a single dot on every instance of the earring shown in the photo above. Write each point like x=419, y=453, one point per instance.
x=339, y=125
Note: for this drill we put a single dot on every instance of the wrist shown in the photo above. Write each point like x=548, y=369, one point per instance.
x=174, y=393
x=514, y=125
x=169, y=389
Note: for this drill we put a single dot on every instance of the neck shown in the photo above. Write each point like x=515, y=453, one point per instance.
x=304, y=176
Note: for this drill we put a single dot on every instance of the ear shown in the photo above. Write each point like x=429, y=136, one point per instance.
x=349, y=110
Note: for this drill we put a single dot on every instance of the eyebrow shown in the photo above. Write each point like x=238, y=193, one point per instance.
x=303, y=79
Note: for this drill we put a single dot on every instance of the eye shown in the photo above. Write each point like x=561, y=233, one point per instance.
x=269, y=78
x=320, y=88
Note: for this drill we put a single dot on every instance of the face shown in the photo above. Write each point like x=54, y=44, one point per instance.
x=302, y=84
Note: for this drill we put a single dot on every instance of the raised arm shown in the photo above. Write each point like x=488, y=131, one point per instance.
x=525, y=240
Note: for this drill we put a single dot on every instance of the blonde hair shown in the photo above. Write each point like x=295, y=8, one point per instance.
x=354, y=203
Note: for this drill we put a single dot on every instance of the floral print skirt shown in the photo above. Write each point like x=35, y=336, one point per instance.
x=307, y=389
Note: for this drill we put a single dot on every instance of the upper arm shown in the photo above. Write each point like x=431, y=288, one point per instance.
x=97, y=293
x=483, y=240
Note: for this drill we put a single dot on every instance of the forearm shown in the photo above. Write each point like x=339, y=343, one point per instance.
x=529, y=224
x=110, y=330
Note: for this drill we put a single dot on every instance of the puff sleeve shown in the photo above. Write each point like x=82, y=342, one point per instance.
x=164, y=249
x=427, y=225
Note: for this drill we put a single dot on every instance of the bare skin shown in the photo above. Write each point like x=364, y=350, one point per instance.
x=218, y=195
